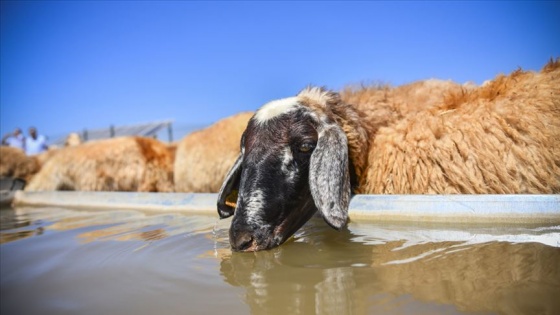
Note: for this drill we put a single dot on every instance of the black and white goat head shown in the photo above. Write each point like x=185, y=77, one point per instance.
x=293, y=162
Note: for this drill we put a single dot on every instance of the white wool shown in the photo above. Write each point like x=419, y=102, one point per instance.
x=275, y=108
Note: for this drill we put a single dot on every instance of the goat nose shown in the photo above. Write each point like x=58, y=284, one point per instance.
x=241, y=240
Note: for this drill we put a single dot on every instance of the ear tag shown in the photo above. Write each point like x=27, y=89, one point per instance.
x=231, y=199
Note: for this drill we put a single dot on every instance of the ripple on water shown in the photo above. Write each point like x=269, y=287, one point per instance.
x=93, y=262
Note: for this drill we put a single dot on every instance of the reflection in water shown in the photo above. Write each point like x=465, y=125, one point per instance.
x=19, y=225
x=325, y=272
x=67, y=261
x=122, y=225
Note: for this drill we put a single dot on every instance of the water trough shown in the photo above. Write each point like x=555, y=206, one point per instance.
x=499, y=209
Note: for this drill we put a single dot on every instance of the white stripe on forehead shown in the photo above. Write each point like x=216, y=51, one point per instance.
x=275, y=108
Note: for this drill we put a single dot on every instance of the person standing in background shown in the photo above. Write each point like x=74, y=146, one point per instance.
x=35, y=143
x=15, y=139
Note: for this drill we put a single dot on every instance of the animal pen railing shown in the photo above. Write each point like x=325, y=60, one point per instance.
x=144, y=130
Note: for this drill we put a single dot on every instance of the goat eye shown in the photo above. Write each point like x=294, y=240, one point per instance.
x=306, y=147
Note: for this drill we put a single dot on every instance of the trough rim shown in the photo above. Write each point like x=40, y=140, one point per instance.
x=503, y=209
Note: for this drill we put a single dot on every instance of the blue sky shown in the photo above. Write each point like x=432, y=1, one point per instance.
x=70, y=65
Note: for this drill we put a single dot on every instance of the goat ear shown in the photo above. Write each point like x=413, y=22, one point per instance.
x=227, y=197
x=329, y=178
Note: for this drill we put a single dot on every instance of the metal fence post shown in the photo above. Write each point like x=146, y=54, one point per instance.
x=169, y=132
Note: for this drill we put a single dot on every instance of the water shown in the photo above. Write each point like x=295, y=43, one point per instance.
x=60, y=261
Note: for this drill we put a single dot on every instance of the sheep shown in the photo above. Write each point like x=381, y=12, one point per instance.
x=395, y=103
x=308, y=153
x=15, y=164
x=204, y=157
x=501, y=138
x=172, y=149
x=72, y=139
x=116, y=164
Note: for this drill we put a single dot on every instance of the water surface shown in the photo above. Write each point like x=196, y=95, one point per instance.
x=61, y=261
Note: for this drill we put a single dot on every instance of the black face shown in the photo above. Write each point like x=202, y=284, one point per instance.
x=274, y=198
x=290, y=165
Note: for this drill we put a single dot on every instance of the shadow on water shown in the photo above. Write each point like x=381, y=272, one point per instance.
x=122, y=262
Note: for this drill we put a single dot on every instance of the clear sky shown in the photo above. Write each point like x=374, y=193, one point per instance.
x=70, y=65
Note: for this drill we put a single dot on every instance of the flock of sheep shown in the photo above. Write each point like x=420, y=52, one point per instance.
x=132, y=163
x=426, y=137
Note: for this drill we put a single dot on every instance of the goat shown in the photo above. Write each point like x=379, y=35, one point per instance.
x=116, y=164
x=310, y=152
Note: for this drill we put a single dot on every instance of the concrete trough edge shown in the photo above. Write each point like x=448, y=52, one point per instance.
x=537, y=209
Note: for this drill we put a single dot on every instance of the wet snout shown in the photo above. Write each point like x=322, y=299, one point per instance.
x=245, y=239
x=242, y=239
